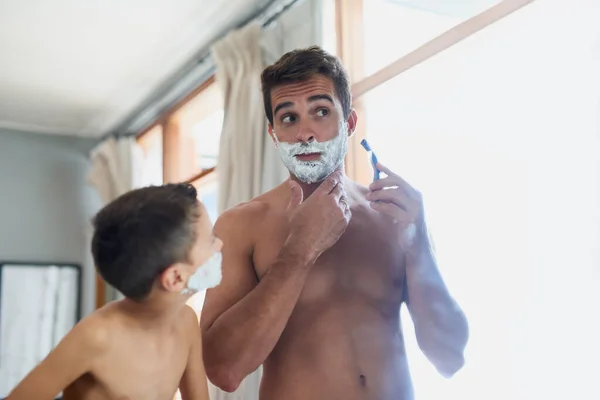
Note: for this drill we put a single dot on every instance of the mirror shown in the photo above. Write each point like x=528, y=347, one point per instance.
x=39, y=304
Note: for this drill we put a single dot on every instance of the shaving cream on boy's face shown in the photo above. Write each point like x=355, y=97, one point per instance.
x=208, y=275
x=332, y=153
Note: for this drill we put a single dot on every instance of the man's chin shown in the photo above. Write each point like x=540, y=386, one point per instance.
x=311, y=180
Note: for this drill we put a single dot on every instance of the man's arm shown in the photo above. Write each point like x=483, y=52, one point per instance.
x=72, y=357
x=242, y=320
x=441, y=327
x=193, y=385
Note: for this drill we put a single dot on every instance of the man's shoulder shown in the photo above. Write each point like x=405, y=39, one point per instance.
x=253, y=211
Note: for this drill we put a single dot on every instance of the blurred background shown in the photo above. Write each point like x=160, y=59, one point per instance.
x=491, y=108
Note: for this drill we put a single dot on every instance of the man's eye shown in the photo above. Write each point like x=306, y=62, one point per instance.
x=288, y=119
x=322, y=112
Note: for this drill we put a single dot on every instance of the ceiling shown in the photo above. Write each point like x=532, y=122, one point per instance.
x=79, y=67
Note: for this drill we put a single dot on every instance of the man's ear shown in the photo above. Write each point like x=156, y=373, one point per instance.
x=173, y=279
x=351, y=121
x=272, y=134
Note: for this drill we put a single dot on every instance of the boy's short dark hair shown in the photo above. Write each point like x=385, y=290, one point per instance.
x=143, y=232
x=301, y=65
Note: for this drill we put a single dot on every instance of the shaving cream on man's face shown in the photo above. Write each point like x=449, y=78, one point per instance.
x=208, y=275
x=332, y=155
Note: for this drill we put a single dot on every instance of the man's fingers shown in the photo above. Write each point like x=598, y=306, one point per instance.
x=388, y=181
x=296, y=195
x=331, y=182
x=347, y=214
x=394, y=182
x=338, y=192
x=394, y=196
x=385, y=169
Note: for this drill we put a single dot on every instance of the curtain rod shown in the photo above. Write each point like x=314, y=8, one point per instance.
x=266, y=16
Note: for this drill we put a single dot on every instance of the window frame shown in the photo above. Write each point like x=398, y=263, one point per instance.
x=351, y=48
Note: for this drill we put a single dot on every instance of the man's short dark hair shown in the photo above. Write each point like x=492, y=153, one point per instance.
x=301, y=65
x=143, y=232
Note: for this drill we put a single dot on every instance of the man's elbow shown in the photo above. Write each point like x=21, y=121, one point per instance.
x=223, y=378
x=449, y=366
x=446, y=355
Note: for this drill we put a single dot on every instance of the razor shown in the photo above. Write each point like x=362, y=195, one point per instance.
x=373, y=158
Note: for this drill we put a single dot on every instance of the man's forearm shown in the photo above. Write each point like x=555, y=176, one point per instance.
x=241, y=338
x=441, y=326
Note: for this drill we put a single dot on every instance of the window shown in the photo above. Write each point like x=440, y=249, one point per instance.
x=207, y=194
x=151, y=143
x=394, y=28
x=199, y=122
x=484, y=129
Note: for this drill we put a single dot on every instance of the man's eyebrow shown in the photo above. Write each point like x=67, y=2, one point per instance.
x=279, y=106
x=317, y=97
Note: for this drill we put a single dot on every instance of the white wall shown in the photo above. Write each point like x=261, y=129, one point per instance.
x=45, y=202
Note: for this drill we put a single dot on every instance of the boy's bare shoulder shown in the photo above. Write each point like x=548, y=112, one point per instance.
x=93, y=332
x=189, y=319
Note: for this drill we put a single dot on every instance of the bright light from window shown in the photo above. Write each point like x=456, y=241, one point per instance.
x=207, y=136
x=393, y=29
x=499, y=133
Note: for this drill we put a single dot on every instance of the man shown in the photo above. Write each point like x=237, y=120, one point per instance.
x=315, y=271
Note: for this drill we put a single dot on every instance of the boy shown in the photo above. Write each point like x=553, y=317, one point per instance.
x=155, y=245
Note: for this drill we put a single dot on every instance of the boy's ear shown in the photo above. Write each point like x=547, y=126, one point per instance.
x=173, y=278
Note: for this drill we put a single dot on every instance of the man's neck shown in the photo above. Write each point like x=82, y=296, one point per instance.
x=309, y=188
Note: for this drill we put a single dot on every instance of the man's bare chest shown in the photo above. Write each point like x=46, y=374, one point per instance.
x=365, y=261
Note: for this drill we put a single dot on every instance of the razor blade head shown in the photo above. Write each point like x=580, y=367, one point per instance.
x=365, y=144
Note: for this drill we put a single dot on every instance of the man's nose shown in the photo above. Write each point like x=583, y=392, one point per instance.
x=305, y=134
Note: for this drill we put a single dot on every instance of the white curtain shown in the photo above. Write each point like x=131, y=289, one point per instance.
x=248, y=163
x=38, y=307
x=238, y=66
x=117, y=167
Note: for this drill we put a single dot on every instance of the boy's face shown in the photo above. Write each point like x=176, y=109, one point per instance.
x=176, y=277
x=207, y=244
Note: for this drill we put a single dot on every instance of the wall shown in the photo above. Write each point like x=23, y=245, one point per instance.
x=45, y=202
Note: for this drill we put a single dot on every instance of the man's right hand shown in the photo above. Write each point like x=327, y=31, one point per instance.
x=317, y=223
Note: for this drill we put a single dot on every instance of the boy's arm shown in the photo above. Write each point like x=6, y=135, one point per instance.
x=72, y=358
x=193, y=385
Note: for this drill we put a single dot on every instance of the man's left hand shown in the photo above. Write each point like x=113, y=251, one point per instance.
x=394, y=197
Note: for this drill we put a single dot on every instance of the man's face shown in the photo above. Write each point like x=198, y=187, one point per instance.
x=309, y=129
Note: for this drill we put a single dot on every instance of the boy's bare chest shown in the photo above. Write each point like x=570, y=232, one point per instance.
x=366, y=260
x=138, y=368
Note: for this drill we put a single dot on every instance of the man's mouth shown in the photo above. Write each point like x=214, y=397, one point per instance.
x=308, y=156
